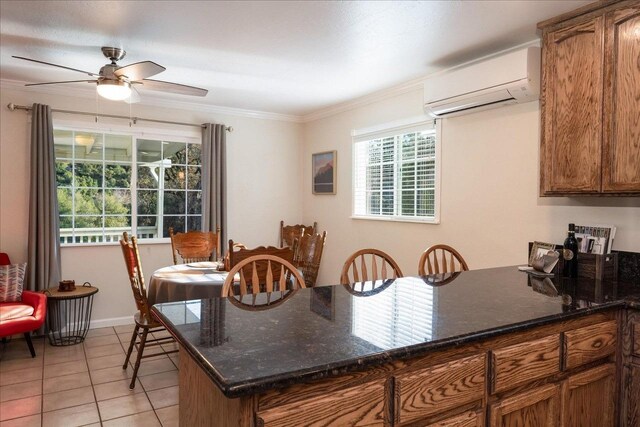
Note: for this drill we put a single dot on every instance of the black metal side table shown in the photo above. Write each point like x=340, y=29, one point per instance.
x=69, y=314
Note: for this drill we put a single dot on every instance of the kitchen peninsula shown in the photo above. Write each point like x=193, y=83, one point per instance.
x=473, y=347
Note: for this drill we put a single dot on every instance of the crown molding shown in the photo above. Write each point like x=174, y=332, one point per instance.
x=380, y=95
x=365, y=100
x=401, y=88
x=89, y=93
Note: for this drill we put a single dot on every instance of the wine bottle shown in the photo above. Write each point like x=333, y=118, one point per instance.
x=570, y=253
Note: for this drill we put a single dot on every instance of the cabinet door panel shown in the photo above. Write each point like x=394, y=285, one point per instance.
x=621, y=149
x=536, y=408
x=572, y=98
x=589, y=398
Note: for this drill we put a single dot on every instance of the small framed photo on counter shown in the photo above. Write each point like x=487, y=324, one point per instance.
x=323, y=166
x=539, y=249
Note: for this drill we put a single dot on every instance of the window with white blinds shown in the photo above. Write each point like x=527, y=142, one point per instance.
x=396, y=317
x=396, y=174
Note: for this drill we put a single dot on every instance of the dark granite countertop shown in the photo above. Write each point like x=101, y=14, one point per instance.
x=329, y=330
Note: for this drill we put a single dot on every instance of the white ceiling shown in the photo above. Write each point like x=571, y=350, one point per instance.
x=283, y=57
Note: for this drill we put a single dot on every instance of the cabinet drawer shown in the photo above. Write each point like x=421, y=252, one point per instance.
x=439, y=388
x=590, y=343
x=522, y=363
x=468, y=419
x=361, y=405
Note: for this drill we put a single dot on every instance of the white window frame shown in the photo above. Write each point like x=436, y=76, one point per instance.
x=396, y=128
x=186, y=135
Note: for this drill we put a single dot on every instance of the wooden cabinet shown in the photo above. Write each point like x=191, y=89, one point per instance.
x=534, y=408
x=590, y=102
x=524, y=378
x=589, y=398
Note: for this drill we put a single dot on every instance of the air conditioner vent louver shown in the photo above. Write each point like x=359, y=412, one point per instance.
x=510, y=78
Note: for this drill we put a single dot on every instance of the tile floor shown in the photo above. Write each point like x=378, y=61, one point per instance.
x=85, y=385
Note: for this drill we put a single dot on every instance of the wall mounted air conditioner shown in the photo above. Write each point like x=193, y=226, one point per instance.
x=510, y=78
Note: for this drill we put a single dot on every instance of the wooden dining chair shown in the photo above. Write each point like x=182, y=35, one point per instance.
x=373, y=267
x=194, y=246
x=273, y=277
x=288, y=233
x=227, y=262
x=237, y=254
x=144, y=321
x=307, y=254
x=447, y=264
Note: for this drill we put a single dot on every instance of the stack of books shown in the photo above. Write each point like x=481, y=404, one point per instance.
x=595, y=239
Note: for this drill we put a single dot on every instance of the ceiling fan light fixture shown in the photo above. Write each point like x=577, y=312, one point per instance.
x=114, y=90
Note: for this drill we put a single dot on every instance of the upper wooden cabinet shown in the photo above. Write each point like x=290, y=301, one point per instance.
x=590, y=101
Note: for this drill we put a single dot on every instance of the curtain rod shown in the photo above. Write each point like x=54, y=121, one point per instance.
x=13, y=107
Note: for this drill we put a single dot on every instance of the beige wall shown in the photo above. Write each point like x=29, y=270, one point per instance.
x=489, y=205
x=264, y=163
x=490, y=208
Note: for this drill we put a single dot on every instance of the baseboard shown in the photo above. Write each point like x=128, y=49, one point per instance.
x=114, y=321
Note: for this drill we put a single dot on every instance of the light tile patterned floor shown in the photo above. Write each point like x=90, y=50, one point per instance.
x=85, y=385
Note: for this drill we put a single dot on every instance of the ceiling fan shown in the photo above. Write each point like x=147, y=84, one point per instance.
x=118, y=83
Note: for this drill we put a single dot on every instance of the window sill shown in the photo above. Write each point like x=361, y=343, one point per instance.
x=397, y=219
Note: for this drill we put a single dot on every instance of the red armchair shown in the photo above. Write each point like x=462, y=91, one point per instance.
x=24, y=316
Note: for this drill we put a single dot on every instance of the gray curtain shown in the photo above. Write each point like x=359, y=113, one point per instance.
x=214, y=181
x=43, y=261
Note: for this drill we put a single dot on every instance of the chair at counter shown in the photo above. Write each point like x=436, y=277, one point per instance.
x=274, y=278
x=194, y=246
x=145, y=323
x=376, y=271
x=307, y=254
x=448, y=258
x=288, y=233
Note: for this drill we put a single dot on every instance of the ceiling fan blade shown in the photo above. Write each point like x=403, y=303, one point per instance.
x=139, y=70
x=55, y=83
x=134, y=98
x=56, y=65
x=173, y=87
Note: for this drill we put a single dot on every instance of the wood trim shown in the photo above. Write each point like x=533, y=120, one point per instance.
x=466, y=419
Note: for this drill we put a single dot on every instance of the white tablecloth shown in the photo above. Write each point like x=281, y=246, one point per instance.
x=181, y=283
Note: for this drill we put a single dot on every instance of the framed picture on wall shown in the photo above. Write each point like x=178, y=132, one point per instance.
x=323, y=167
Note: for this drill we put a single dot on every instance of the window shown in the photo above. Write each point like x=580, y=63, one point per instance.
x=110, y=183
x=396, y=173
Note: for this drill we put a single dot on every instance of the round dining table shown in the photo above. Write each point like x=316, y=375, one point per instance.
x=182, y=282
